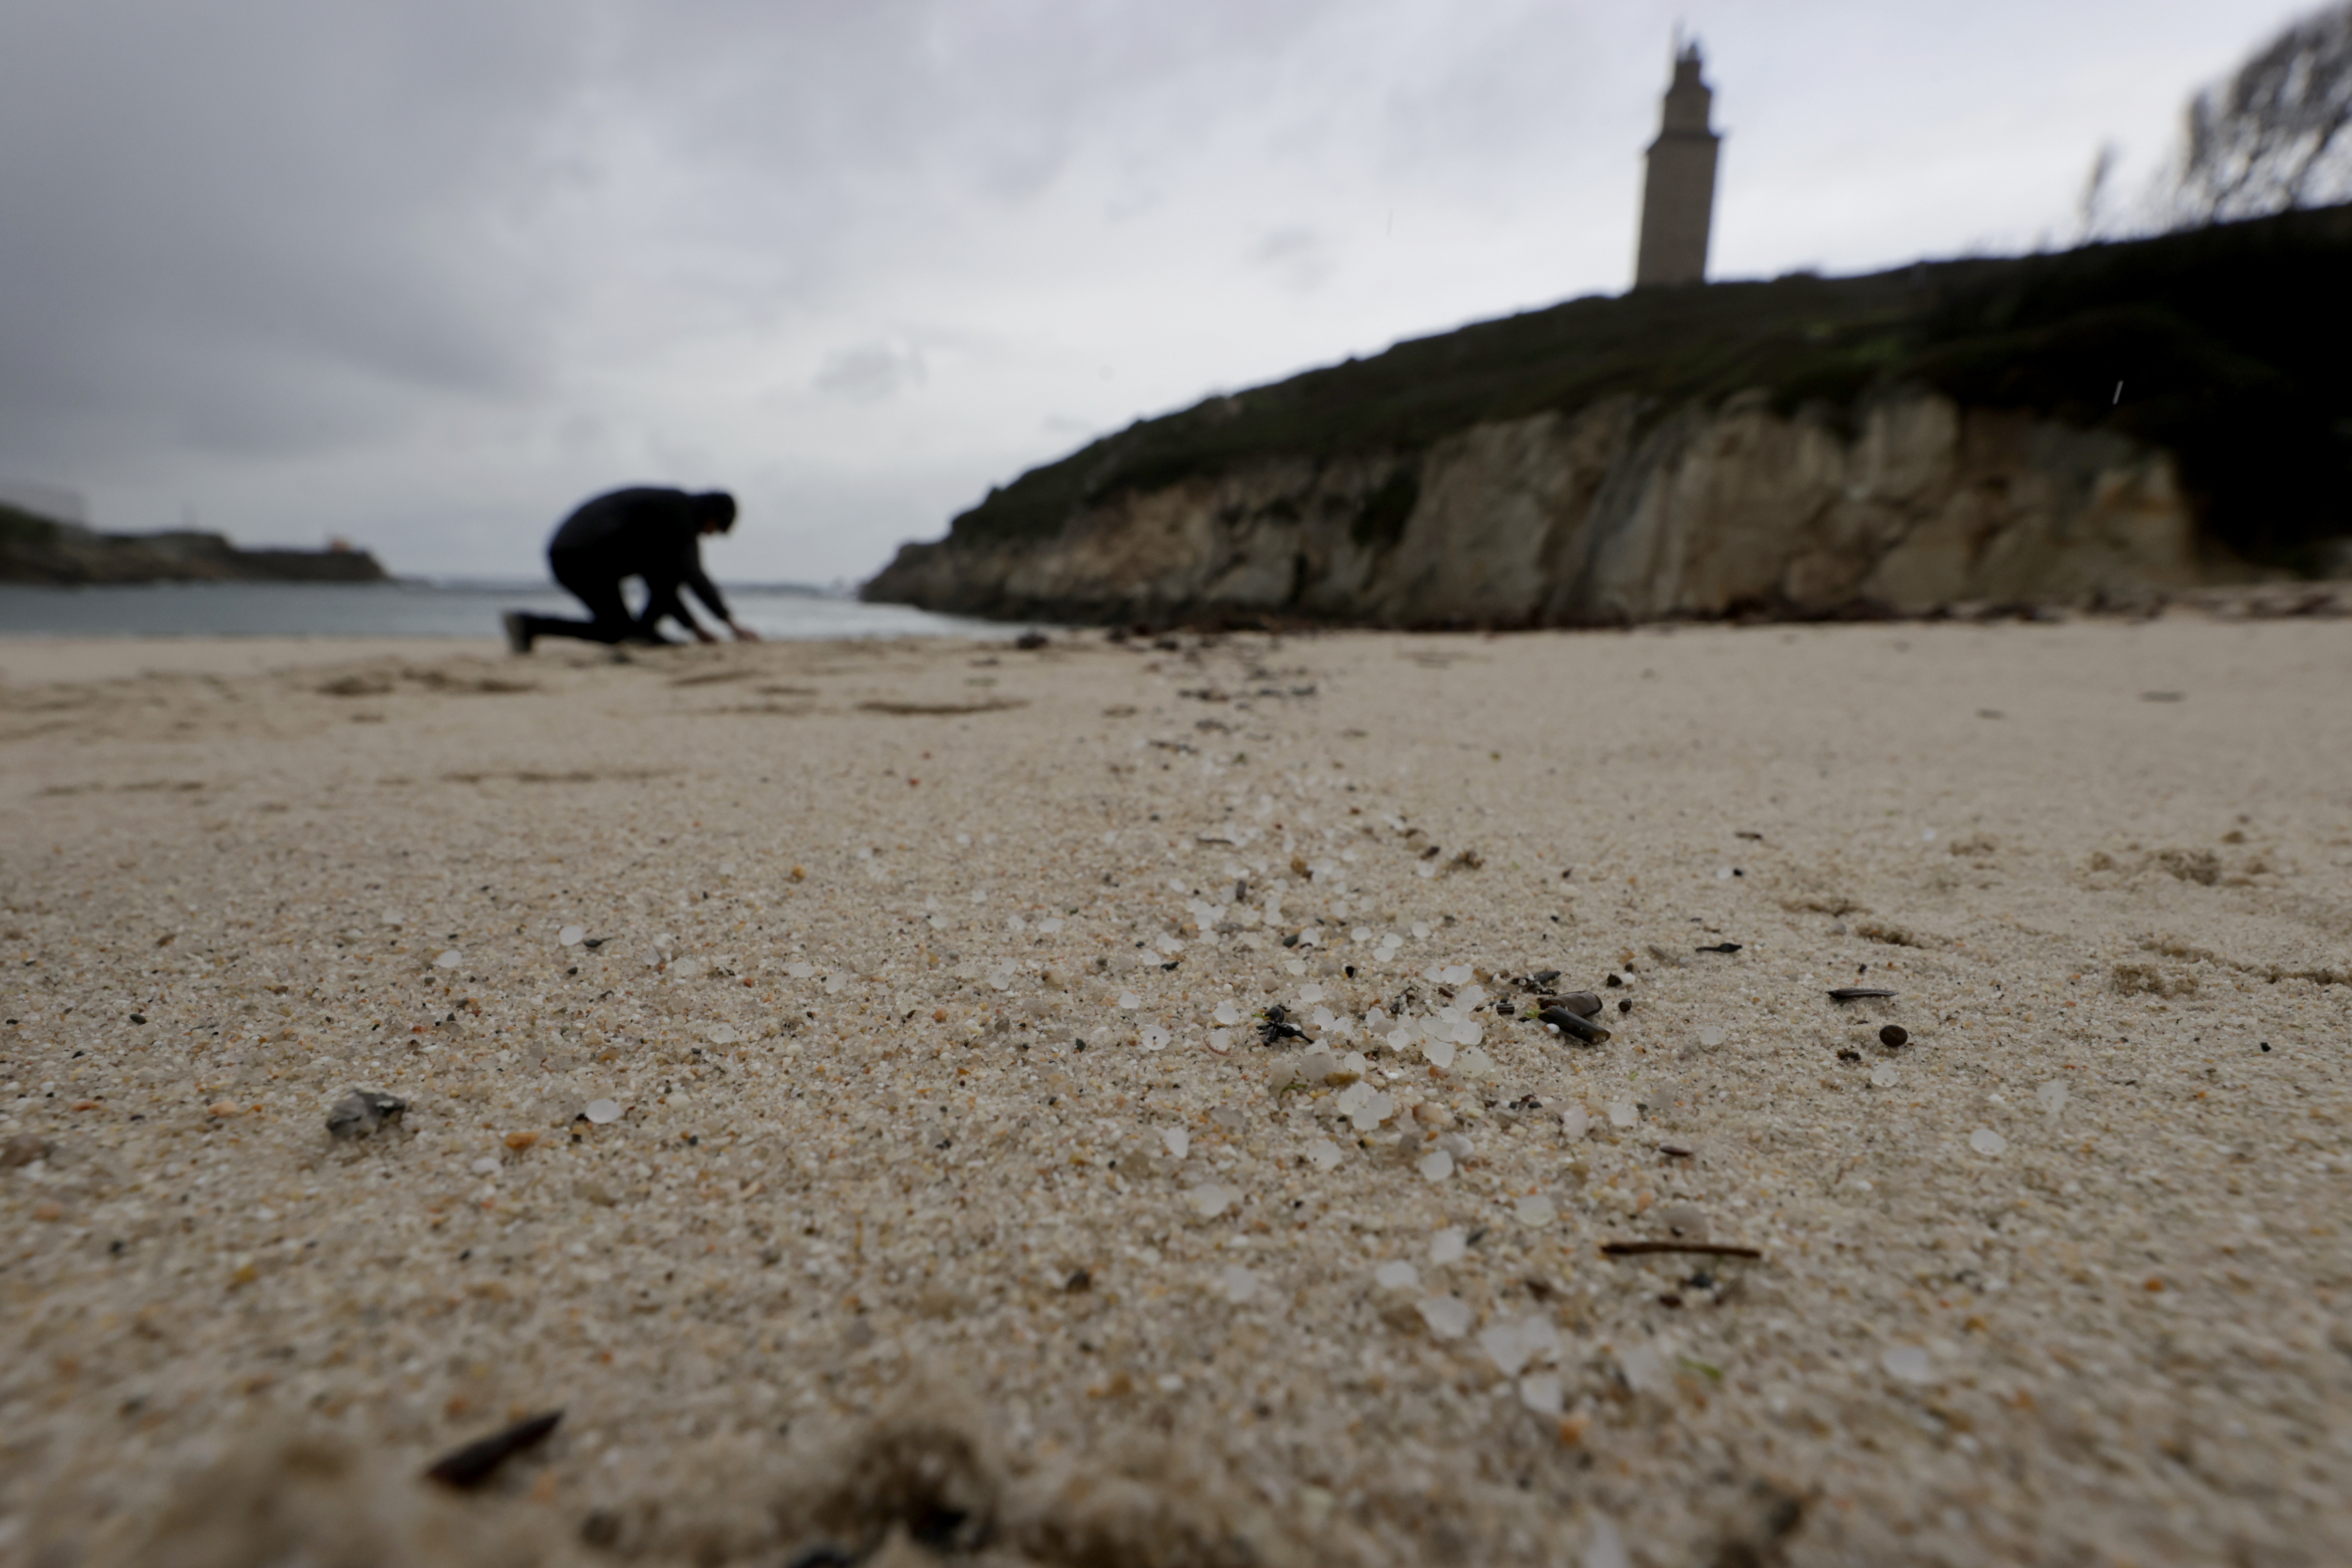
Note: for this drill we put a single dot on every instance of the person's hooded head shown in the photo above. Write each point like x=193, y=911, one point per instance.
x=716, y=512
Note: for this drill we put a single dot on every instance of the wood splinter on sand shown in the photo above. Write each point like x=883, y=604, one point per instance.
x=1710, y=1248
x=472, y=1466
x=1572, y=1024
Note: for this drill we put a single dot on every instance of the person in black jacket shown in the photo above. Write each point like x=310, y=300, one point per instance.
x=653, y=534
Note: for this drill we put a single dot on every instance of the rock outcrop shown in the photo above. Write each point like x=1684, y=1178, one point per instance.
x=2104, y=423
x=66, y=554
x=1591, y=518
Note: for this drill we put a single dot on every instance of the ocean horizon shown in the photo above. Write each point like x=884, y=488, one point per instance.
x=425, y=608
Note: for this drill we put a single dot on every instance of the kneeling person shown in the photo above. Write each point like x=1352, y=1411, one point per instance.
x=652, y=534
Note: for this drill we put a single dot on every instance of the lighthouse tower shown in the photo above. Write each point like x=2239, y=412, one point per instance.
x=1678, y=193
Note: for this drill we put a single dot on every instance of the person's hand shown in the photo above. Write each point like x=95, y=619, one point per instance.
x=701, y=636
x=743, y=633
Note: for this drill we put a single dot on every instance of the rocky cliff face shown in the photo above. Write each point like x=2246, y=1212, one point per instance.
x=1597, y=518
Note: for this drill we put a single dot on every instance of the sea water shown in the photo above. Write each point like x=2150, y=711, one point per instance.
x=422, y=609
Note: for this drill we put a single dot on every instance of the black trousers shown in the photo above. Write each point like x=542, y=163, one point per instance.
x=594, y=579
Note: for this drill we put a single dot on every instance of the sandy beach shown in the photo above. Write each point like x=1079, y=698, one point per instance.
x=842, y=1078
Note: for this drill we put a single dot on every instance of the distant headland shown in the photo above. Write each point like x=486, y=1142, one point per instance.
x=2100, y=425
x=53, y=551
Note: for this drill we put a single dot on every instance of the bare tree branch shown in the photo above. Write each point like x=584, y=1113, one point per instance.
x=2091, y=216
x=2273, y=136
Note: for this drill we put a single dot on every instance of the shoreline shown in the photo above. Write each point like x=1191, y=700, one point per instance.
x=36, y=658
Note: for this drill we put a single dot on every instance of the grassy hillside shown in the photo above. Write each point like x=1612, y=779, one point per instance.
x=2229, y=341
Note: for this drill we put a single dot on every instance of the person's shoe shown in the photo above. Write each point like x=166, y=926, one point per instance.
x=517, y=632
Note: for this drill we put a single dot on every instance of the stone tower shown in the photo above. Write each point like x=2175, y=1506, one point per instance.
x=1678, y=193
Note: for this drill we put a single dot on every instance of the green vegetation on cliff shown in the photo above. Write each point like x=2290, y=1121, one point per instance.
x=2228, y=341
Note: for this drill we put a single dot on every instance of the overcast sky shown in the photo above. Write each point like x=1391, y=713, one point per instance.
x=427, y=272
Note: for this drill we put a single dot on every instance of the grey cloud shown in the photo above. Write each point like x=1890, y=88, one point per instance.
x=263, y=226
x=1300, y=255
x=870, y=372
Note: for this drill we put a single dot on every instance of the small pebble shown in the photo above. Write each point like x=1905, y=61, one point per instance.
x=1644, y=1371
x=1209, y=1200
x=1436, y=1165
x=570, y=936
x=1884, y=1076
x=2051, y=1097
x=23, y=1150
x=601, y=1111
x=1542, y=1393
x=1894, y=1037
x=1397, y=1275
x=450, y=959
x=1985, y=1141
x=1512, y=1345
x=1906, y=1363
x=1448, y=1246
x=362, y=1112
x=1535, y=1211
x=1447, y=1318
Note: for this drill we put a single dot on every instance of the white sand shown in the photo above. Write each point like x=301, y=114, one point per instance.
x=872, y=1217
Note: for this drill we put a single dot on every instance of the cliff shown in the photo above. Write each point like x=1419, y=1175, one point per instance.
x=1806, y=446
x=42, y=550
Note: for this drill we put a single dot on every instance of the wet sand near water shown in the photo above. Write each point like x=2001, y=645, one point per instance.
x=48, y=661
x=835, y=1075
